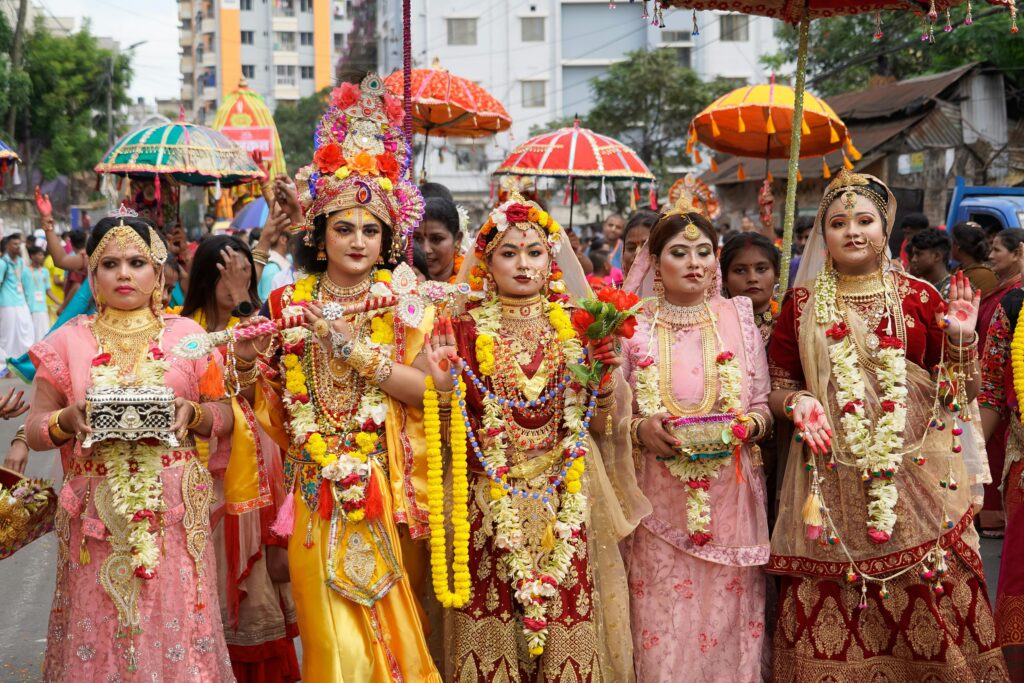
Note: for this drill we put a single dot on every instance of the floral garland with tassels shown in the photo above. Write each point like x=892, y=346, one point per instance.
x=460, y=503
x=134, y=467
x=342, y=453
x=877, y=451
x=697, y=472
x=1017, y=363
x=534, y=586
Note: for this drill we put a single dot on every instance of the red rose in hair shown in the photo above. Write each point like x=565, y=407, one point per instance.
x=517, y=213
x=101, y=359
x=329, y=158
x=581, y=320
x=345, y=95
x=388, y=166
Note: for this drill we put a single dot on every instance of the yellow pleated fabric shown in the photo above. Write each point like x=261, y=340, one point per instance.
x=342, y=641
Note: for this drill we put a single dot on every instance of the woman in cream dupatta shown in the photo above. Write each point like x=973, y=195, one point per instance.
x=881, y=578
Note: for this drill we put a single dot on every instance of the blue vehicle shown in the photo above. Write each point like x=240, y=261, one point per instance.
x=993, y=208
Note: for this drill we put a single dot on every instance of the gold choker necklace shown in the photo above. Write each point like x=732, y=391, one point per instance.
x=683, y=316
x=522, y=307
x=336, y=291
x=860, y=285
x=126, y=335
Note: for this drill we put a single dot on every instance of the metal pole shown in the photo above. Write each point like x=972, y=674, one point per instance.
x=110, y=101
x=572, y=199
x=794, y=152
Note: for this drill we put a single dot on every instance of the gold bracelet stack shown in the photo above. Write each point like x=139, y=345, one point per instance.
x=370, y=364
x=761, y=426
x=261, y=257
x=634, y=431
x=197, y=416
x=56, y=431
x=20, y=436
x=791, y=399
x=965, y=356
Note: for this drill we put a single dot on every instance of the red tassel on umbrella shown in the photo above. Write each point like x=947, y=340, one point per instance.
x=652, y=197
x=325, y=505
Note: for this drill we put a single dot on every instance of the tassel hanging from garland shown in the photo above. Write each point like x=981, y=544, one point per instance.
x=811, y=515
x=284, y=524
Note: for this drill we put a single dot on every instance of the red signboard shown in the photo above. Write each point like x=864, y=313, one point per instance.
x=253, y=139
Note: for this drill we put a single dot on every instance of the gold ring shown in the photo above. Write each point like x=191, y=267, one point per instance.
x=321, y=328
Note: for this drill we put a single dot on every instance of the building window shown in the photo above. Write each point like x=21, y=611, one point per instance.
x=284, y=40
x=339, y=42
x=285, y=74
x=305, y=5
x=470, y=158
x=248, y=37
x=534, y=93
x=305, y=38
x=249, y=70
x=306, y=72
x=682, y=56
x=245, y=5
x=675, y=36
x=532, y=29
x=284, y=8
x=462, y=31
x=735, y=28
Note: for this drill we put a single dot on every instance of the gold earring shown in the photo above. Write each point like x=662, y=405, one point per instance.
x=659, y=286
x=321, y=255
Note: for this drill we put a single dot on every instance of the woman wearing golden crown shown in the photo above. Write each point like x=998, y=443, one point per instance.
x=700, y=377
x=881, y=576
x=537, y=578
x=136, y=590
x=332, y=397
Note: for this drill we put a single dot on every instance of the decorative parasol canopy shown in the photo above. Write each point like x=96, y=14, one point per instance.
x=445, y=105
x=244, y=117
x=8, y=154
x=757, y=121
x=575, y=152
x=191, y=154
x=702, y=194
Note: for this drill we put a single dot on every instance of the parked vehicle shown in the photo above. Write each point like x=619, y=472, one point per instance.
x=993, y=208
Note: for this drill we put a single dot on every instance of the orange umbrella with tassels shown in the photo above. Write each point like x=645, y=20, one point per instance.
x=757, y=121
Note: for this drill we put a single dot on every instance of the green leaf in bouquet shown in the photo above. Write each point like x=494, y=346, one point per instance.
x=581, y=372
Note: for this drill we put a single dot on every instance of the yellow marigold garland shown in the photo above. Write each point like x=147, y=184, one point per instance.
x=1017, y=362
x=560, y=321
x=435, y=500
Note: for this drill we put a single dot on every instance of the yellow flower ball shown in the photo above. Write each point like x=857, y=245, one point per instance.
x=536, y=651
x=383, y=275
x=356, y=515
x=554, y=228
x=572, y=486
x=386, y=185
x=291, y=361
x=342, y=173
x=497, y=492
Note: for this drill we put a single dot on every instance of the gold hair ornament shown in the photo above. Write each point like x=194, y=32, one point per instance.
x=687, y=204
x=126, y=236
x=847, y=185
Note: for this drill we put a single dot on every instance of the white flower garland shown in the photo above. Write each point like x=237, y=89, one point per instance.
x=696, y=474
x=134, y=468
x=534, y=586
x=877, y=452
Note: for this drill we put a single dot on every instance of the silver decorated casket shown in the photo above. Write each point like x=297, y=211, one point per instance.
x=130, y=414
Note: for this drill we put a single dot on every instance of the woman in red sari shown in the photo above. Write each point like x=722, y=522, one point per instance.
x=881, y=579
x=1006, y=247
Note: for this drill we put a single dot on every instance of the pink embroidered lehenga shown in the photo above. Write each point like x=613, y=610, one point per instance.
x=178, y=636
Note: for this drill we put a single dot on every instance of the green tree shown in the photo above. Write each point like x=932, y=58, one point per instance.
x=60, y=104
x=296, y=124
x=843, y=56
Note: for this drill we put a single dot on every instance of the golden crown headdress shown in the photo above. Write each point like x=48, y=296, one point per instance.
x=125, y=235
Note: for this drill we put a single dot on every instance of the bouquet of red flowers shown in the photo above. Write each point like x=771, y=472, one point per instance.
x=611, y=312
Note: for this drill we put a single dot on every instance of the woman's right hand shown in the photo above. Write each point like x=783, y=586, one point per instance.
x=72, y=420
x=809, y=418
x=443, y=352
x=17, y=456
x=655, y=438
x=12, y=405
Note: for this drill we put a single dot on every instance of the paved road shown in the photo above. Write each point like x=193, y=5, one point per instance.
x=27, y=578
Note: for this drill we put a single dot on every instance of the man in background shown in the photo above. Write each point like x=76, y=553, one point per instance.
x=612, y=231
x=929, y=259
x=16, y=333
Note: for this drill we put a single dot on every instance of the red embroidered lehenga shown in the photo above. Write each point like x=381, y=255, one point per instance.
x=915, y=632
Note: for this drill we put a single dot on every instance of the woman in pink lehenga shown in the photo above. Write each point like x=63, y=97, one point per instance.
x=136, y=595
x=697, y=365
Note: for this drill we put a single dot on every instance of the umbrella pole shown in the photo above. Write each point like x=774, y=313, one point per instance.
x=794, y=152
x=423, y=168
x=572, y=199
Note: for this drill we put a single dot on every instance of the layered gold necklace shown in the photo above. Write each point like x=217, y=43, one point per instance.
x=126, y=335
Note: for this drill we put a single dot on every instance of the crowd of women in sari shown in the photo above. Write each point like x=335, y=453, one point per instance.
x=412, y=474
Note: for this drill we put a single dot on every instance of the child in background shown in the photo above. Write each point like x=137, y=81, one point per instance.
x=37, y=290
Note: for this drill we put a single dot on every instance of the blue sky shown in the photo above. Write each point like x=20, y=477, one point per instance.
x=129, y=21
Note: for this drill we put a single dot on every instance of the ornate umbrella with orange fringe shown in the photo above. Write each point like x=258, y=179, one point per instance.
x=244, y=117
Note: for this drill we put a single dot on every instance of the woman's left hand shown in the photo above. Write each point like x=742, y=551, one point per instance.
x=961, y=318
x=236, y=272
x=607, y=351
x=183, y=414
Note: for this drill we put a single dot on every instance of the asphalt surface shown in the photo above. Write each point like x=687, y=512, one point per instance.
x=27, y=579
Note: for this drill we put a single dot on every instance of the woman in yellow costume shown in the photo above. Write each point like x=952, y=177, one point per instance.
x=338, y=384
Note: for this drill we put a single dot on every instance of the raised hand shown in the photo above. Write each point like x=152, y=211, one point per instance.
x=236, y=272
x=814, y=430
x=961, y=319
x=12, y=405
x=287, y=198
x=43, y=204
x=443, y=352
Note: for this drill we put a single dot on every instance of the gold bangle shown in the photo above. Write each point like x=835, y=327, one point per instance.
x=57, y=433
x=197, y=416
x=20, y=436
x=634, y=431
x=790, y=403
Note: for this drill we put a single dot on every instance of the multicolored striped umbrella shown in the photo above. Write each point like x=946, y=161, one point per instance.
x=191, y=154
x=8, y=154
